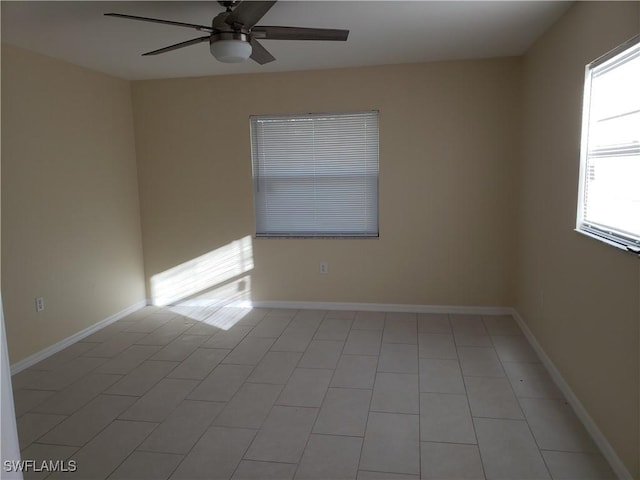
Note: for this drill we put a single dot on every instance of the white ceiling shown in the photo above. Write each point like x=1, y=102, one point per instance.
x=382, y=32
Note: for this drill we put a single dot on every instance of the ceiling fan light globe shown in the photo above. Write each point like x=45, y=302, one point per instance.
x=231, y=51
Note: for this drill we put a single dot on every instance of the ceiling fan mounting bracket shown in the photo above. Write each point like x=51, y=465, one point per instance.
x=228, y=4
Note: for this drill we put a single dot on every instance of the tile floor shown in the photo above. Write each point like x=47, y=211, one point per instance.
x=288, y=394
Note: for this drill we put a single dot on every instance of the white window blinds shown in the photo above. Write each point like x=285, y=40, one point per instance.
x=609, y=203
x=315, y=174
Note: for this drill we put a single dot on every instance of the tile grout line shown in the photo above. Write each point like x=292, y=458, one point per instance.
x=210, y=424
x=366, y=424
x=132, y=450
x=466, y=394
x=243, y=457
x=169, y=414
x=419, y=403
x=68, y=416
x=324, y=396
x=524, y=417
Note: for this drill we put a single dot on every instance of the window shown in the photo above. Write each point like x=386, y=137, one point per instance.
x=315, y=175
x=609, y=193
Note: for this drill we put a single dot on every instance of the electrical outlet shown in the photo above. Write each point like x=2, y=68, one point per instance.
x=39, y=304
x=324, y=267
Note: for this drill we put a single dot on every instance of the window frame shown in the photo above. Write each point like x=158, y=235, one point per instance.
x=319, y=235
x=584, y=227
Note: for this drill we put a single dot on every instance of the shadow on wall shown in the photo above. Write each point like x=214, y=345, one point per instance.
x=213, y=288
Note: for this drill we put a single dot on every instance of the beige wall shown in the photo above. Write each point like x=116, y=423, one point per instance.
x=578, y=296
x=70, y=216
x=448, y=149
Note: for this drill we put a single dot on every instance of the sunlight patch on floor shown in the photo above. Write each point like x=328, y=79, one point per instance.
x=212, y=288
x=221, y=307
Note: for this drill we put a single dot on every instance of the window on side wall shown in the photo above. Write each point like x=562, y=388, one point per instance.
x=609, y=190
x=315, y=175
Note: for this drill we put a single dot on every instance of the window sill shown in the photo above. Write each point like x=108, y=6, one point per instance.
x=619, y=246
x=316, y=237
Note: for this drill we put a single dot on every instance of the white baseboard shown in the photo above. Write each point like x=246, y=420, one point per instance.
x=62, y=344
x=365, y=307
x=385, y=307
x=605, y=447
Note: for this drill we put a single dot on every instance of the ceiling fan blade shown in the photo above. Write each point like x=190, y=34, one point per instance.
x=248, y=13
x=299, y=33
x=157, y=20
x=177, y=46
x=260, y=54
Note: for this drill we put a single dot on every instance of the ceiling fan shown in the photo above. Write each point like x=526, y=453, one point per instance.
x=233, y=34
